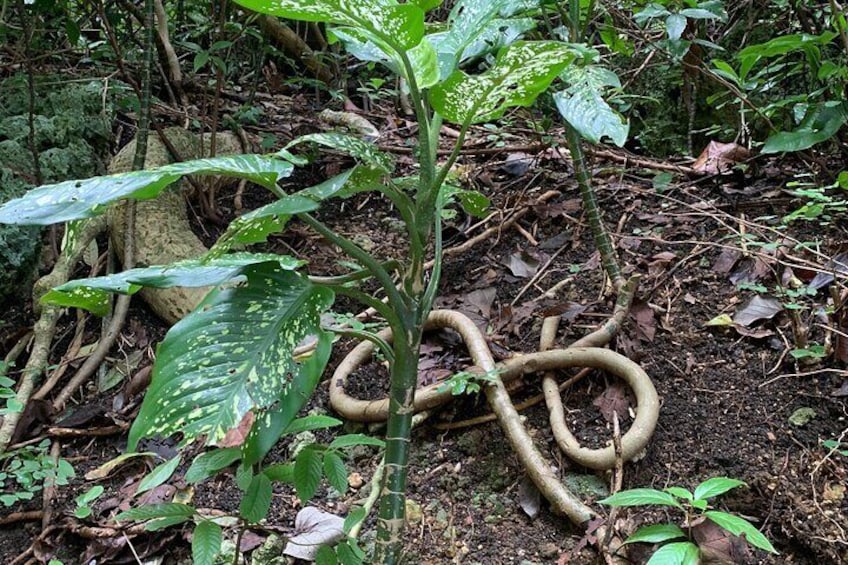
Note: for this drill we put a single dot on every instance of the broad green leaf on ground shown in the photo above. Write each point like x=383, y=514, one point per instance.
x=232, y=355
x=641, y=497
x=582, y=104
x=93, y=294
x=521, y=72
x=656, y=533
x=275, y=421
x=716, y=486
x=366, y=153
x=739, y=526
x=477, y=27
x=400, y=25
x=206, y=542
x=820, y=124
x=422, y=57
x=76, y=199
x=678, y=553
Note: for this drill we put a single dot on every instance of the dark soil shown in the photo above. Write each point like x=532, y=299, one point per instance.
x=727, y=398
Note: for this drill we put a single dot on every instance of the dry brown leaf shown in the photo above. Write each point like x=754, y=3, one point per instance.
x=719, y=158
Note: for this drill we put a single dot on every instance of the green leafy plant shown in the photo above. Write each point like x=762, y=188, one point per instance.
x=83, y=507
x=467, y=382
x=839, y=447
x=312, y=463
x=824, y=204
x=678, y=546
x=26, y=471
x=236, y=353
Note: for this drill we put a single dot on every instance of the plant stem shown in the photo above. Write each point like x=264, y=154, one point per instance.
x=609, y=258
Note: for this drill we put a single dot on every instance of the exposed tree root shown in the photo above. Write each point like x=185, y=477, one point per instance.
x=562, y=500
x=45, y=327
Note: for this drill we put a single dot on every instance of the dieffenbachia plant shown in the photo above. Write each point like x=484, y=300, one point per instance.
x=236, y=353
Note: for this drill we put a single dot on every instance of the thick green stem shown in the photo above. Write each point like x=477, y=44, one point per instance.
x=392, y=515
x=609, y=258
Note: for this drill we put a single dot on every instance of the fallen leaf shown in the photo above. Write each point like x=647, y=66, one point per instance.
x=719, y=158
x=646, y=326
x=312, y=529
x=757, y=308
x=482, y=299
x=613, y=399
x=517, y=164
x=750, y=271
x=522, y=264
x=103, y=471
x=838, y=265
x=529, y=497
x=726, y=260
x=717, y=545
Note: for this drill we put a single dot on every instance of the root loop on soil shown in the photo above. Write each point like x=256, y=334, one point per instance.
x=563, y=501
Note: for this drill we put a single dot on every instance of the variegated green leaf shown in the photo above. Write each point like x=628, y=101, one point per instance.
x=422, y=57
x=232, y=355
x=521, y=72
x=400, y=25
x=93, y=294
x=76, y=199
x=582, y=105
x=257, y=225
x=366, y=153
x=272, y=423
x=477, y=27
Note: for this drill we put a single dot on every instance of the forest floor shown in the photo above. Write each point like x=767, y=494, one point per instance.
x=730, y=394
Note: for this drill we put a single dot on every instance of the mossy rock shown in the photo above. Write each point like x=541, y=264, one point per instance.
x=72, y=127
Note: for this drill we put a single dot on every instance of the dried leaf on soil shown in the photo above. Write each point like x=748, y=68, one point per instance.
x=529, y=497
x=756, y=309
x=718, y=158
x=613, y=399
x=313, y=528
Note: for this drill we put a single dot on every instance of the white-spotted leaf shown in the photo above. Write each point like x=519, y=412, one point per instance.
x=478, y=27
x=233, y=354
x=400, y=25
x=76, y=199
x=93, y=294
x=521, y=72
x=582, y=105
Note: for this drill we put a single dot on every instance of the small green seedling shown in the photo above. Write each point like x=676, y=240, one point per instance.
x=678, y=545
x=839, y=447
x=467, y=382
x=83, y=509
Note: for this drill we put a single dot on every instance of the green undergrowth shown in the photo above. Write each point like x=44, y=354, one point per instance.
x=72, y=123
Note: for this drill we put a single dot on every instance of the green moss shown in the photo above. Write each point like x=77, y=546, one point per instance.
x=72, y=127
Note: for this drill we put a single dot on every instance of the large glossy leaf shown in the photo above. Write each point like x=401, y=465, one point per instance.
x=400, y=25
x=93, y=294
x=656, y=533
x=477, y=27
x=820, y=124
x=76, y=199
x=582, y=105
x=521, y=72
x=232, y=355
x=276, y=420
x=422, y=57
x=258, y=224
x=366, y=153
